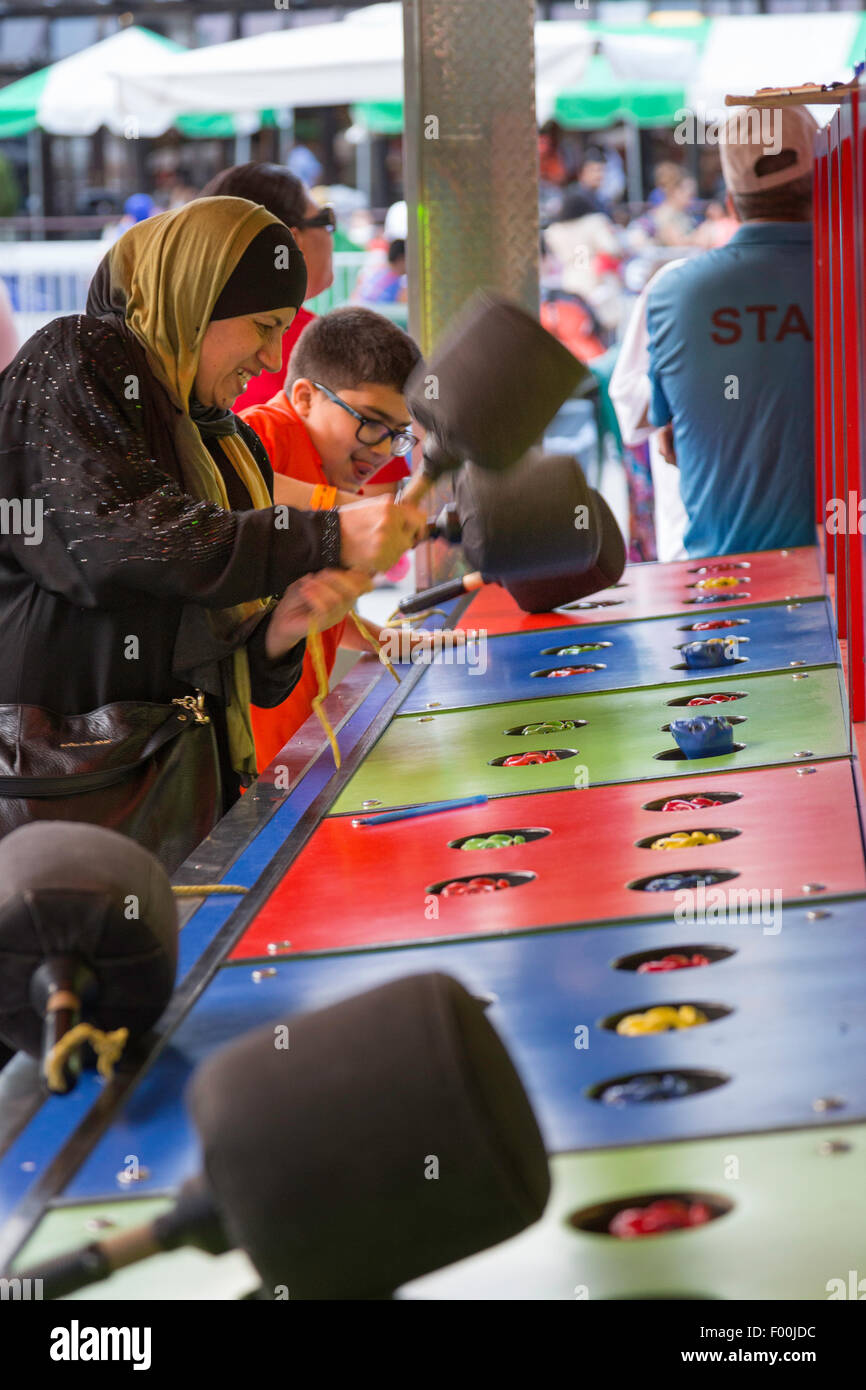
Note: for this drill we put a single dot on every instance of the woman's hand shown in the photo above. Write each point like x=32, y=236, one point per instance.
x=375, y=532
x=323, y=598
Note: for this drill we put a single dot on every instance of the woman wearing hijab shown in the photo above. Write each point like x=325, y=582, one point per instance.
x=154, y=564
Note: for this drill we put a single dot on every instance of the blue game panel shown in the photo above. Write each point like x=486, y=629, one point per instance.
x=795, y=984
x=492, y=670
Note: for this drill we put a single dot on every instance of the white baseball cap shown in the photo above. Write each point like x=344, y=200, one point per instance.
x=766, y=147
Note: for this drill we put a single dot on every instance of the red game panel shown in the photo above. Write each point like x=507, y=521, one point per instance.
x=798, y=837
x=658, y=591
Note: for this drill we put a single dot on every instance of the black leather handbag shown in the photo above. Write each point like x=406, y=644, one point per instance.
x=149, y=771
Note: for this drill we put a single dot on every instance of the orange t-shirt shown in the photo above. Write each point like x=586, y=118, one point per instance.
x=292, y=453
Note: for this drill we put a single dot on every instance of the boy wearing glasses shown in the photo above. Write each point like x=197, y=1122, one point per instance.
x=339, y=418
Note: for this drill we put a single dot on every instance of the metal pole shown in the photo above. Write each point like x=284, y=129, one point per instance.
x=471, y=151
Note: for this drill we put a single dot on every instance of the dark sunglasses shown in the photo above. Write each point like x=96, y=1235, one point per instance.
x=373, y=431
x=327, y=217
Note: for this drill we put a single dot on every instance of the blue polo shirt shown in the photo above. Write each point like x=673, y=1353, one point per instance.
x=731, y=365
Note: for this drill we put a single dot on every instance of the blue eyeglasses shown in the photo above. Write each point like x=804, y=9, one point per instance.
x=373, y=431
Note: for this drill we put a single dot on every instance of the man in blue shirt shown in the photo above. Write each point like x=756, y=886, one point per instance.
x=731, y=350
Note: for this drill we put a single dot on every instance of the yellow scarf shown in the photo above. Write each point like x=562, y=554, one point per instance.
x=166, y=275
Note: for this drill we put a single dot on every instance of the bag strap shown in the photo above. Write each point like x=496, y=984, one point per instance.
x=74, y=783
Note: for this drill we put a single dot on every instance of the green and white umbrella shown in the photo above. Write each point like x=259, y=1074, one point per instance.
x=78, y=95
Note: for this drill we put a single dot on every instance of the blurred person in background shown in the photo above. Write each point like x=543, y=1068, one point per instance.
x=673, y=223
x=304, y=165
x=586, y=250
x=8, y=331
x=136, y=208
x=716, y=229
x=589, y=181
x=384, y=284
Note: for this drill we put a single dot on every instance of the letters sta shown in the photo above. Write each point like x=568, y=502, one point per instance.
x=763, y=323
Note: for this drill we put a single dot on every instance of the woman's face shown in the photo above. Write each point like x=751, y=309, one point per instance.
x=233, y=350
x=317, y=249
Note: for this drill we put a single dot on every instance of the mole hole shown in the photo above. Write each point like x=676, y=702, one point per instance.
x=559, y=754
x=721, y=567
x=544, y=726
x=714, y=955
x=597, y=1219
x=724, y=641
x=584, y=605
x=660, y=802
x=732, y=661
x=677, y=755
x=499, y=881
x=681, y=878
x=726, y=597
x=575, y=648
x=584, y=668
x=650, y=840
x=713, y=1013
x=654, y=1087
x=721, y=625
x=533, y=833
x=724, y=697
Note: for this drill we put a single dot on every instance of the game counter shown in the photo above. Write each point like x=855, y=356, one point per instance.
x=648, y=933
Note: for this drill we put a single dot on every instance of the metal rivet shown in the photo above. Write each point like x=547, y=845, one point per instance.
x=98, y=1223
x=800, y=676
x=792, y=606
x=804, y=753
x=833, y=1146
x=804, y=771
x=371, y=802
x=425, y=719
x=828, y=1103
x=817, y=915
x=275, y=946
x=126, y=1177
x=783, y=552
x=796, y=663
x=813, y=887
x=259, y=975
x=28, y=1166
x=433, y=704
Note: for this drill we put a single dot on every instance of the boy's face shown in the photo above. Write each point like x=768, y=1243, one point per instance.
x=347, y=463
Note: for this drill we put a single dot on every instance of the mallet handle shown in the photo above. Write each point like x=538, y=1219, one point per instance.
x=441, y=593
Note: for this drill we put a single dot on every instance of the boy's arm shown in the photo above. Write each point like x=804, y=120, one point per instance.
x=290, y=492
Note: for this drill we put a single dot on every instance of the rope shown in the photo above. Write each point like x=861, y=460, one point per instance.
x=107, y=1046
x=314, y=647
x=203, y=890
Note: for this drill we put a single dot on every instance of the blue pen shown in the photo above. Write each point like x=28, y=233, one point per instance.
x=411, y=811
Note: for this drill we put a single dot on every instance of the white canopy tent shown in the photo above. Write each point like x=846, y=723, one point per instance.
x=745, y=52
x=359, y=59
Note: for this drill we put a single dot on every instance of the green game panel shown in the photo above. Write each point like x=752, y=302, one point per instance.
x=793, y=1223
x=786, y=717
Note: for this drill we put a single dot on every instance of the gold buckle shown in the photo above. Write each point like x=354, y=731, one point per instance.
x=195, y=704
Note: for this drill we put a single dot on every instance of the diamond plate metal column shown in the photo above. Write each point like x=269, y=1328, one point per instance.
x=471, y=170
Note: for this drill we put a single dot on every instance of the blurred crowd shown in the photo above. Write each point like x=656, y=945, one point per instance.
x=598, y=252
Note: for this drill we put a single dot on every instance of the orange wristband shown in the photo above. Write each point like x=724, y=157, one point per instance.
x=323, y=498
